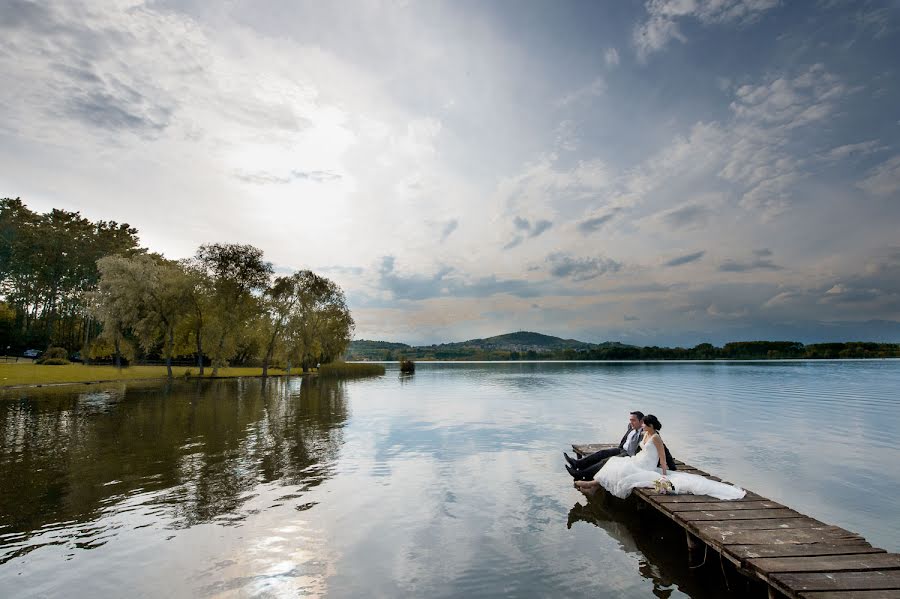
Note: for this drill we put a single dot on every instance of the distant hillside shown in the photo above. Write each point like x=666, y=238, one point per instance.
x=521, y=344
x=521, y=341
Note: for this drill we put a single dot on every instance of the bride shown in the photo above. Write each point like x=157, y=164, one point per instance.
x=620, y=475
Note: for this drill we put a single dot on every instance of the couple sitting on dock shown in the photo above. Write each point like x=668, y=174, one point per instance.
x=635, y=464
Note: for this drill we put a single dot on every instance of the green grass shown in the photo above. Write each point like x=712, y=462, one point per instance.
x=348, y=370
x=39, y=374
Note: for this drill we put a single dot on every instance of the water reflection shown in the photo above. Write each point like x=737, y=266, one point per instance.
x=658, y=546
x=184, y=454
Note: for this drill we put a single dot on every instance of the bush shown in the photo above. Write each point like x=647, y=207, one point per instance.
x=407, y=366
x=345, y=370
x=54, y=356
x=53, y=361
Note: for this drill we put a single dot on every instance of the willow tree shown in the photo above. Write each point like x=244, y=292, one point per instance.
x=238, y=275
x=320, y=328
x=148, y=294
x=279, y=304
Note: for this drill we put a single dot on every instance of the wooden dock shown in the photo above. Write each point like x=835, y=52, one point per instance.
x=793, y=554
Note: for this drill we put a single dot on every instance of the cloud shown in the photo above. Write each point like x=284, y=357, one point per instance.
x=661, y=24
x=266, y=178
x=521, y=224
x=527, y=229
x=860, y=149
x=755, y=264
x=693, y=215
x=580, y=269
x=449, y=227
x=540, y=227
x=884, y=179
x=595, y=222
x=446, y=282
x=585, y=93
x=515, y=241
x=750, y=154
x=685, y=259
x=611, y=57
x=790, y=102
x=630, y=318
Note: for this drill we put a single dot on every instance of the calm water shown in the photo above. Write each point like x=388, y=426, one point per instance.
x=446, y=483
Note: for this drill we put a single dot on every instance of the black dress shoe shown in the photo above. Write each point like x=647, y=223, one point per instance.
x=570, y=460
x=575, y=473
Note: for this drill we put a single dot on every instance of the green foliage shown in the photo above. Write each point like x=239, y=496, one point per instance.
x=53, y=362
x=54, y=356
x=48, y=262
x=350, y=370
x=407, y=366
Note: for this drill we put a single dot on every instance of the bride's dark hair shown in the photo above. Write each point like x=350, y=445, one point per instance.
x=652, y=421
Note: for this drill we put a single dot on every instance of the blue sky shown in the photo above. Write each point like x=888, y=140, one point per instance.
x=662, y=172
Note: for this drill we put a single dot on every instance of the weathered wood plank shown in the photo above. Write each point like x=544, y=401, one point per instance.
x=720, y=526
x=839, y=581
x=724, y=506
x=831, y=534
x=801, y=550
x=828, y=563
x=732, y=515
x=882, y=594
x=667, y=499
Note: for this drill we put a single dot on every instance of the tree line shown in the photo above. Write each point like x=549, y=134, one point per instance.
x=738, y=350
x=89, y=287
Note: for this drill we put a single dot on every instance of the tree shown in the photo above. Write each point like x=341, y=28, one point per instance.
x=148, y=294
x=280, y=301
x=321, y=326
x=200, y=300
x=237, y=274
x=48, y=262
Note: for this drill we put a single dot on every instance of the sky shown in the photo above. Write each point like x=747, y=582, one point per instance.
x=665, y=172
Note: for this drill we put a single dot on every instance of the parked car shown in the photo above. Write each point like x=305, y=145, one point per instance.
x=31, y=353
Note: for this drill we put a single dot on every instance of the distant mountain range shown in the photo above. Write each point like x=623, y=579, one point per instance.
x=520, y=342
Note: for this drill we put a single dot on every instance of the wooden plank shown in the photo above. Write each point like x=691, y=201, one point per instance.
x=733, y=515
x=828, y=563
x=687, y=498
x=830, y=534
x=882, y=594
x=798, y=550
x=838, y=581
x=724, y=506
x=717, y=527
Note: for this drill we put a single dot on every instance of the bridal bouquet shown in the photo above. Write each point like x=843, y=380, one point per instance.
x=664, y=486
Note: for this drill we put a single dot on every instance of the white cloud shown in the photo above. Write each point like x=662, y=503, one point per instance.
x=611, y=57
x=884, y=179
x=661, y=25
x=860, y=149
x=594, y=89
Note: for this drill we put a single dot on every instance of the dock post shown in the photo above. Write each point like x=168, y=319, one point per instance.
x=691, y=542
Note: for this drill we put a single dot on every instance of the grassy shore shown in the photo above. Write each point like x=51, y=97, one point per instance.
x=38, y=374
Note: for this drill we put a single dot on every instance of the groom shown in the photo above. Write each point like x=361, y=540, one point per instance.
x=586, y=467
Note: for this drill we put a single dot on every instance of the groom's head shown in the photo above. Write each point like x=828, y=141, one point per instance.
x=634, y=419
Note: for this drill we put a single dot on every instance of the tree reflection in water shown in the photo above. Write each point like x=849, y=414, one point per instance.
x=189, y=451
x=660, y=547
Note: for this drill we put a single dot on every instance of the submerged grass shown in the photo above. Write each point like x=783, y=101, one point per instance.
x=39, y=374
x=350, y=370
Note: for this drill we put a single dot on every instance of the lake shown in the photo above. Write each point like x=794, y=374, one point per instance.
x=447, y=483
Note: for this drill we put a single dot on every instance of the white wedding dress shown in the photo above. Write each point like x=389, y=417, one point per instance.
x=620, y=475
